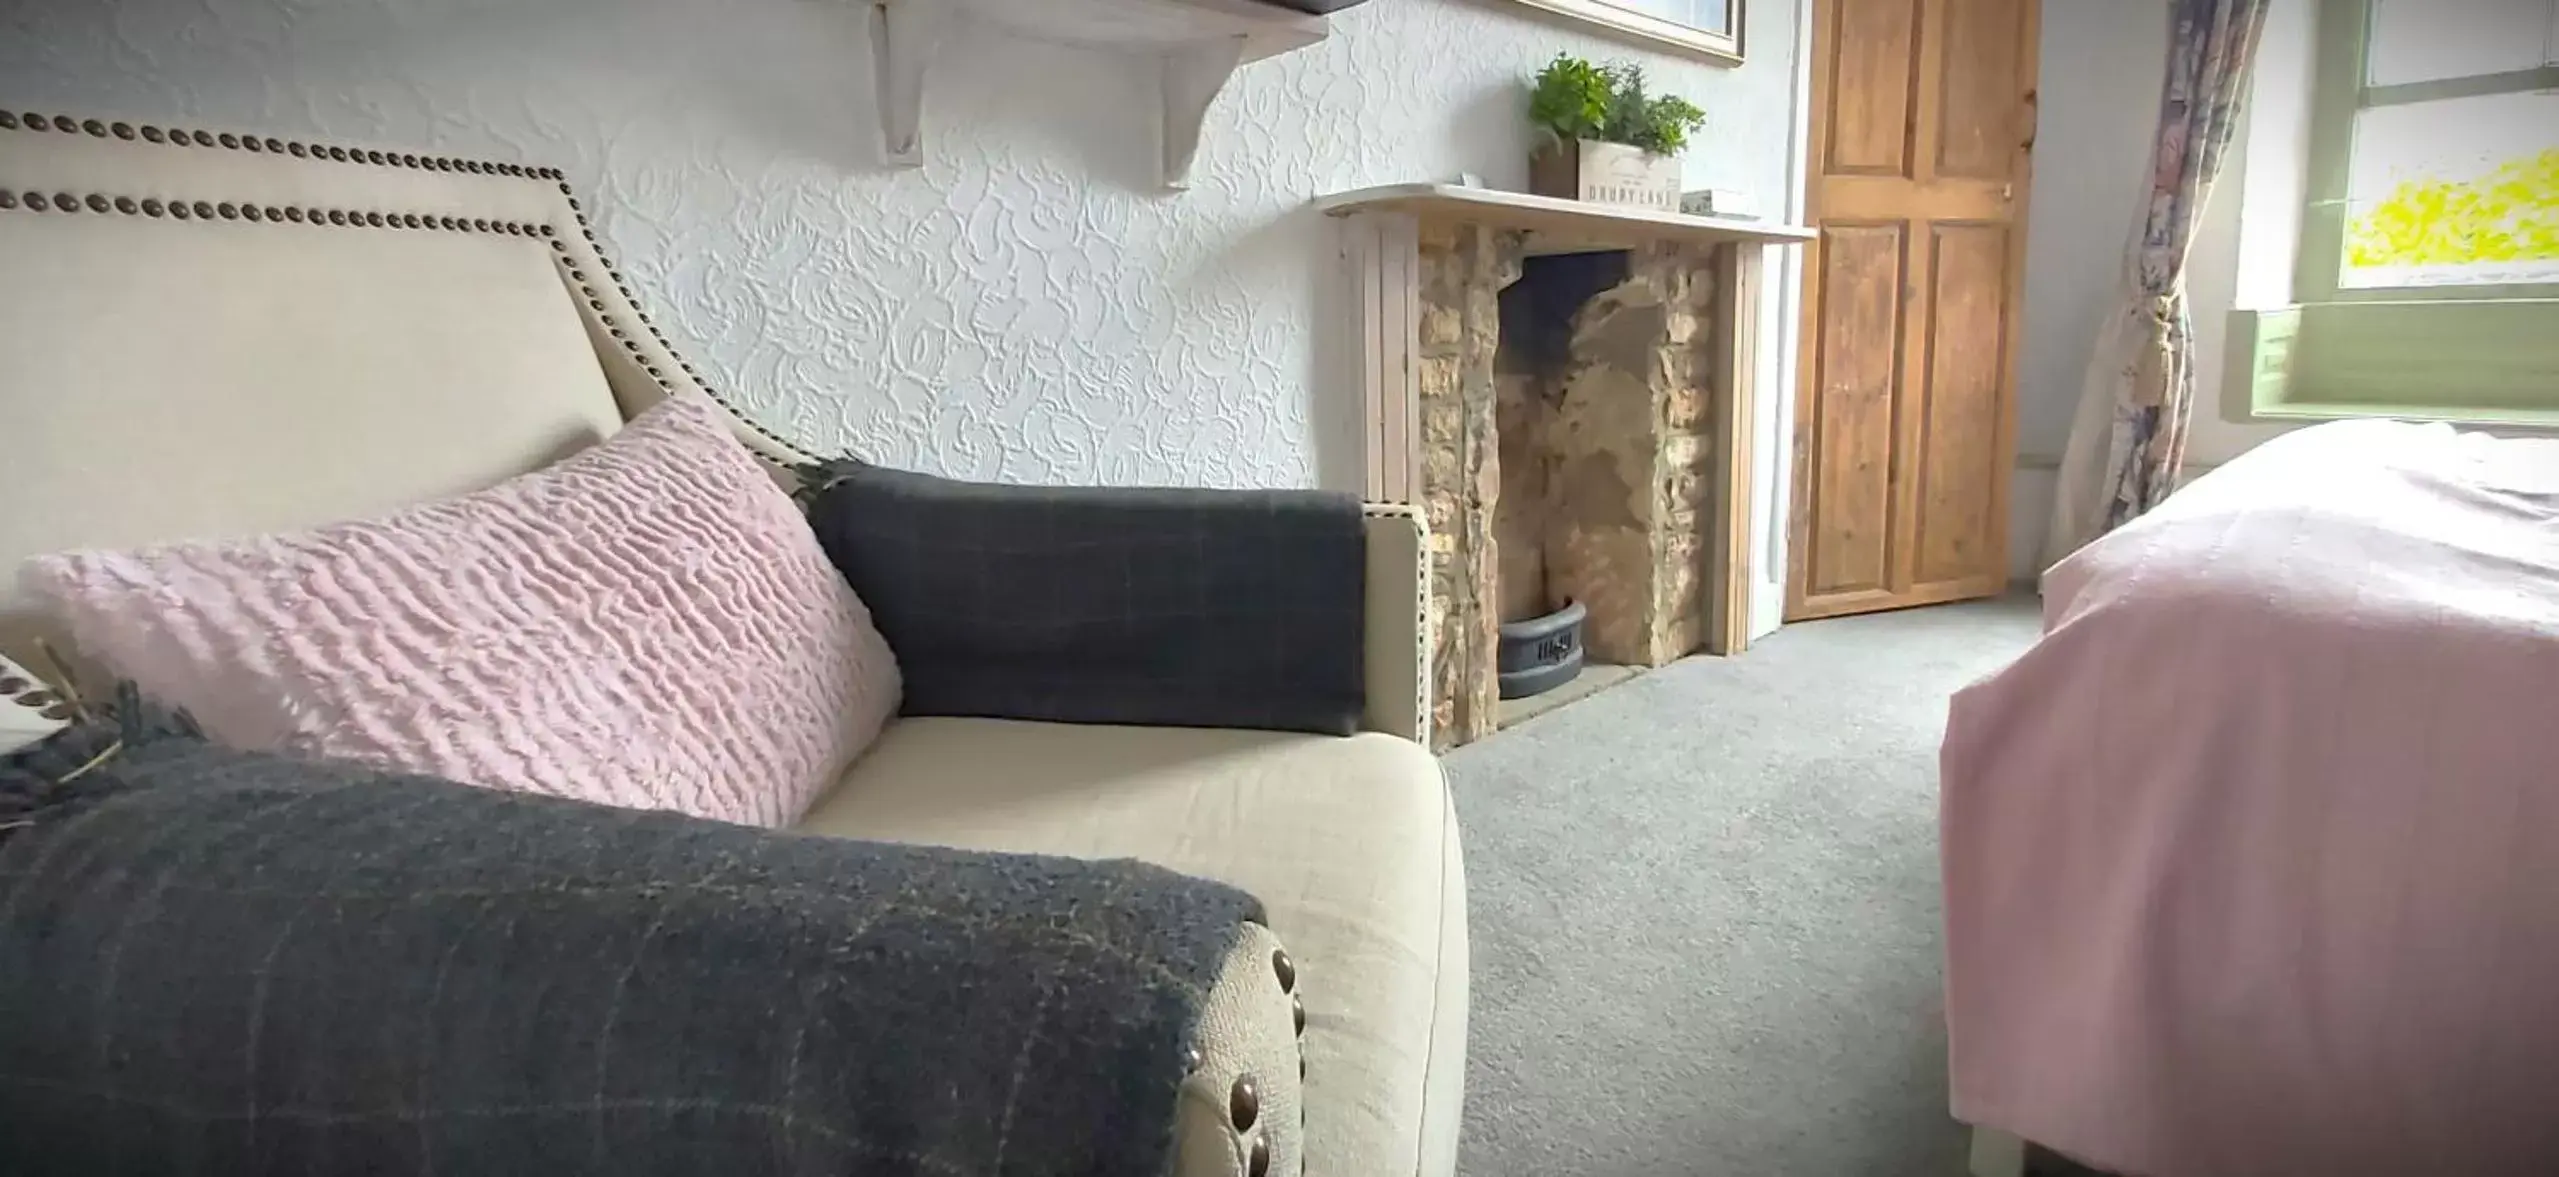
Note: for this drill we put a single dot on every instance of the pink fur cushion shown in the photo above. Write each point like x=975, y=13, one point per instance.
x=649, y=623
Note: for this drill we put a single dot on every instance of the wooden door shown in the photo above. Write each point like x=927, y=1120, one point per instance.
x=1923, y=122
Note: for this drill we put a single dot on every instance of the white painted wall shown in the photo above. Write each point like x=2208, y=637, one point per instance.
x=2102, y=66
x=1028, y=305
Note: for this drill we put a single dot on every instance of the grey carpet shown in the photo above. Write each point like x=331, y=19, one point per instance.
x=1705, y=911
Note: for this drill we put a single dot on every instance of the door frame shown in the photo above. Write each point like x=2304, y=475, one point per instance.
x=1782, y=319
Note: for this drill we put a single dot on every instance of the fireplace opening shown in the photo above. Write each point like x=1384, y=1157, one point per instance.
x=1542, y=646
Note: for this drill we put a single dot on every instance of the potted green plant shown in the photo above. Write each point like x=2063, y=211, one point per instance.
x=1603, y=137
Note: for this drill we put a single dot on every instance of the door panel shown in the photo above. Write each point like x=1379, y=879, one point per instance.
x=1878, y=56
x=1977, y=124
x=1922, y=124
x=1848, y=550
x=1959, y=454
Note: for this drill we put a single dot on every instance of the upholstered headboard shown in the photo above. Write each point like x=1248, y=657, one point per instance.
x=214, y=332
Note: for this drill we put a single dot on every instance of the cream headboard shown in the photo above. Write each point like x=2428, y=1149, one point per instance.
x=214, y=332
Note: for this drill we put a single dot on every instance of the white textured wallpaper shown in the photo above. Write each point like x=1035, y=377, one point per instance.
x=1029, y=305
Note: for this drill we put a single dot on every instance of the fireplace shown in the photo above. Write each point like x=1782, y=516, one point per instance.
x=1563, y=389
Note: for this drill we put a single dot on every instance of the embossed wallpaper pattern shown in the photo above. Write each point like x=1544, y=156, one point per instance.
x=1028, y=305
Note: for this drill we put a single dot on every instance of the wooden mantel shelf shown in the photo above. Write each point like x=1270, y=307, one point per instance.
x=1559, y=225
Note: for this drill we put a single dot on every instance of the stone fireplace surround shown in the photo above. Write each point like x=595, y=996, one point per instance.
x=1565, y=389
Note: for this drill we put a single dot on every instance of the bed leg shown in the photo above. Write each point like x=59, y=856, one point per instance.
x=1997, y=1154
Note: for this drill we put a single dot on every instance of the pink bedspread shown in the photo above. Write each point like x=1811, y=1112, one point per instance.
x=2252, y=863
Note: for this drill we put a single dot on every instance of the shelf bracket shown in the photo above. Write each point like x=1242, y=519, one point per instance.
x=903, y=34
x=1193, y=76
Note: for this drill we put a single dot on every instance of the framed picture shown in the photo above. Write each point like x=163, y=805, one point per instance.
x=1711, y=29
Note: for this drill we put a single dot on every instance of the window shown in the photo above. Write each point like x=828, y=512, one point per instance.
x=2435, y=153
x=2428, y=280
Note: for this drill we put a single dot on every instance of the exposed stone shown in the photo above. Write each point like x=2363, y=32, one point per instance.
x=1463, y=269
x=1580, y=476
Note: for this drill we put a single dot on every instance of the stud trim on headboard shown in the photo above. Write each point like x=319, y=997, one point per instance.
x=277, y=214
x=179, y=137
x=64, y=202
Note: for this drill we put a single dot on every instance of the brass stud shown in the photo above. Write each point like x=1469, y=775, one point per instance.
x=36, y=122
x=63, y=123
x=373, y=219
x=125, y=205
x=8, y=199
x=1285, y=968
x=1244, y=1102
x=99, y=203
x=596, y=303
x=479, y=225
x=229, y=211
x=559, y=247
x=229, y=140
x=338, y=153
x=337, y=217
x=64, y=202
x=123, y=131
x=293, y=213
x=152, y=134
x=545, y=230
x=632, y=346
x=1297, y=1012
x=153, y=208
x=95, y=127
x=275, y=145
x=179, y=210
x=406, y=160
x=578, y=275
x=654, y=374
x=252, y=212
x=8, y=121
x=1257, y=1162
x=204, y=210
x=297, y=150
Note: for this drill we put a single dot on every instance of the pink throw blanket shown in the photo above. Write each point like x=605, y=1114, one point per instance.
x=2252, y=863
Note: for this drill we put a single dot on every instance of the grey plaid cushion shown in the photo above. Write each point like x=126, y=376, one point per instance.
x=1198, y=608
x=216, y=962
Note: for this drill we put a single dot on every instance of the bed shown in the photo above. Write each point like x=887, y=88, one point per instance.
x=2252, y=861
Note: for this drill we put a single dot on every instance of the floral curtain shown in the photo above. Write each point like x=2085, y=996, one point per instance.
x=2128, y=443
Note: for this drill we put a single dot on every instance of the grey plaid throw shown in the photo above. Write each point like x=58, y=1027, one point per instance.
x=215, y=962
x=1196, y=608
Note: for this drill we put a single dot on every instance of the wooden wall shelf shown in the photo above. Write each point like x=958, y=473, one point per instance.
x=1198, y=44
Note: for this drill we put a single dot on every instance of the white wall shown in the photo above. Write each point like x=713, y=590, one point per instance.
x=2102, y=67
x=1028, y=305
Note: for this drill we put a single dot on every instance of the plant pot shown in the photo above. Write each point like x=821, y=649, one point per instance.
x=1542, y=653
x=1606, y=173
